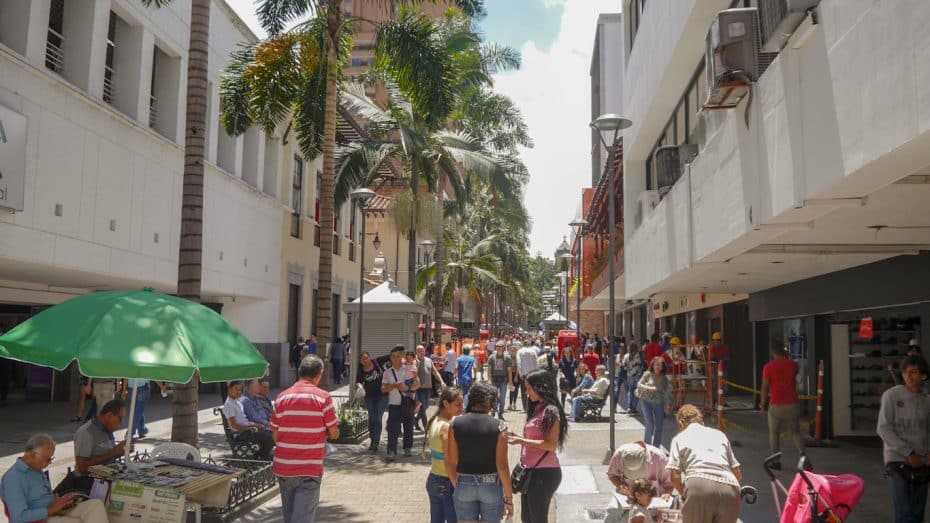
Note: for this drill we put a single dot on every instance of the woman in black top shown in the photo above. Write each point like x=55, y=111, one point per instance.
x=369, y=377
x=477, y=460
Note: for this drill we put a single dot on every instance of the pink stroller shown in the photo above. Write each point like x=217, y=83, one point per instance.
x=815, y=498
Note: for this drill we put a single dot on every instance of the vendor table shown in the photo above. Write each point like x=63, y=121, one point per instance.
x=153, y=492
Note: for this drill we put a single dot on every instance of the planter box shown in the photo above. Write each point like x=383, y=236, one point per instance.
x=353, y=425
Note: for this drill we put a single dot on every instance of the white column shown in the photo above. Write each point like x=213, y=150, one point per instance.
x=85, y=43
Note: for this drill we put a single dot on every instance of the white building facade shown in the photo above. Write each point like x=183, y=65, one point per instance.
x=819, y=175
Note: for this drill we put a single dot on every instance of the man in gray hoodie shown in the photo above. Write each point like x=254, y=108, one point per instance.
x=903, y=425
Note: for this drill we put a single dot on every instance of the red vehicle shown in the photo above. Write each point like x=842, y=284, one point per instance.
x=569, y=337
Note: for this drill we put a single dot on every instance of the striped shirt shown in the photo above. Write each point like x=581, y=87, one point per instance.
x=302, y=414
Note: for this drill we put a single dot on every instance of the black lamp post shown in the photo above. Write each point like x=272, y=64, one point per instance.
x=360, y=196
x=567, y=258
x=608, y=127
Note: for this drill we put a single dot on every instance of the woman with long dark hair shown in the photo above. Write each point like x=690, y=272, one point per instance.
x=369, y=376
x=656, y=396
x=438, y=486
x=543, y=434
x=476, y=460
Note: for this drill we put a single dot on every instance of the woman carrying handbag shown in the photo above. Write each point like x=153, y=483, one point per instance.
x=543, y=434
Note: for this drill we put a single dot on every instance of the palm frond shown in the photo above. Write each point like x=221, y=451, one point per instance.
x=499, y=58
x=235, y=92
x=274, y=15
x=358, y=164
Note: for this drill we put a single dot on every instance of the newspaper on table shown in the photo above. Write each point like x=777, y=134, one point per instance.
x=132, y=502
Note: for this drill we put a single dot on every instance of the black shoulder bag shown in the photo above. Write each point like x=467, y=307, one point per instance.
x=520, y=475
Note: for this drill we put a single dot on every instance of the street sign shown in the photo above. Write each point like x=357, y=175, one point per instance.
x=12, y=158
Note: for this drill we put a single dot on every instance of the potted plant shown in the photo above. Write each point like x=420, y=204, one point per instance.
x=353, y=422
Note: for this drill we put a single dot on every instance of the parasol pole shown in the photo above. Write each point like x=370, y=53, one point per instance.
x=132, y=411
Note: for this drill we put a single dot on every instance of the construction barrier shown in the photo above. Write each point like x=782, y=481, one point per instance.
x=720, y=382
x=818, y=417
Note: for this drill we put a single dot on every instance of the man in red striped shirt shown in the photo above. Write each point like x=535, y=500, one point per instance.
x=303, y=419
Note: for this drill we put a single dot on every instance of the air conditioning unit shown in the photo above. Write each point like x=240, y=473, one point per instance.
x=779, y=19
x=732, y=61
x=670, y=161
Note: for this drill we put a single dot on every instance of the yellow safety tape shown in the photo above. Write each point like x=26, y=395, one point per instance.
x=742, y=428
x=758, y=392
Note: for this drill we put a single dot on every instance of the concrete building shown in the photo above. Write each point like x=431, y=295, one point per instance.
x=807, y=196
x=607, y=67
x=92, y=105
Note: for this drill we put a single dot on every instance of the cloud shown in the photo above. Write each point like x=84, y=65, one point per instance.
x=553, y=3
x=553, y=89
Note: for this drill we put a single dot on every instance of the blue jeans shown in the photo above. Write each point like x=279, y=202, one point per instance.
x=300, y=497
x=339, y=367
x=479, y=497
x=394, y=422
x=441, y=507
x=908, y=500
x=618, y=388
x=501, y=396
x=375, y=407
x=465, y=386
x=653, y=416
x=632, y=381
x=138, y=416
x=423, y=397
x=579, y=403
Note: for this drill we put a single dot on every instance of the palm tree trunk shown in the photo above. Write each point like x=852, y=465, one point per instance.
x=412, y=245
x=190, y=251
x=325, y=282
x=437, y=303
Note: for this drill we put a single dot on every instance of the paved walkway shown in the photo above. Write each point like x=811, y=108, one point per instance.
x=359, y=487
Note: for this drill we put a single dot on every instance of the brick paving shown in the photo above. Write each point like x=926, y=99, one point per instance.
x=361, y=487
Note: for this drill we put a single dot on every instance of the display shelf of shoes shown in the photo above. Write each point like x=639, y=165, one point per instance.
x=869, y=375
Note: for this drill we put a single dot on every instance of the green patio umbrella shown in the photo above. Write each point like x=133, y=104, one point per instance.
x=135, y=334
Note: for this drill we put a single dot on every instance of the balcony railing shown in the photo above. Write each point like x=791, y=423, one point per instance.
x=337, y=245
x=108, y=84
x=316, y=235
x=153, y=111
x=54, y=57
x=295, y=224
x=602, y=280
x=351, y=251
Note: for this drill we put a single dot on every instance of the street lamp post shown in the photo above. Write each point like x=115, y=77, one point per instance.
x=567, y=257
x=360, y=196
x=608, y=127
x=579, y=225
x=428, y=246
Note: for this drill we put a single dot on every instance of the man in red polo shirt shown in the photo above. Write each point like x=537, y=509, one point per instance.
x=303, y=419
x=779, y=381
x=653, y=348
x=591, y=359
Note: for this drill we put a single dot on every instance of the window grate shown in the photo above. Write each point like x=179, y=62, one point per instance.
x=54, y=56
x=153, y=111
x=108, y=67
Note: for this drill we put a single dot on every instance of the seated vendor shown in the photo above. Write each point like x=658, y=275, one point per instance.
x=239, y=422
x=257, y=407
x=94, y=442
x=28, y=495
x=638, y=460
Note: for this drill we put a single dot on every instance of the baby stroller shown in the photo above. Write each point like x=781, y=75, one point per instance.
x=815, y=498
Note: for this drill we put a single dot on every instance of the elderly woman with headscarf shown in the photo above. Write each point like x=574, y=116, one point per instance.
x=704, y=470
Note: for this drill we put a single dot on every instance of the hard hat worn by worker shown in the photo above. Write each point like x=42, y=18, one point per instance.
x=675, y=342
x=716, y=336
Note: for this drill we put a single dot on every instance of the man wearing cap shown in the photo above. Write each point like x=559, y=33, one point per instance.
x=639, y=460
x=718, y=351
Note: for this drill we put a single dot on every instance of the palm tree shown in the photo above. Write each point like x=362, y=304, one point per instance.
x=297, y=73
x=190, y=250
x=432, y=158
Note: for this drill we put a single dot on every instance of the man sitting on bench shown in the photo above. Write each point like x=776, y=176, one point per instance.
x=238, y=421
x=593, y=396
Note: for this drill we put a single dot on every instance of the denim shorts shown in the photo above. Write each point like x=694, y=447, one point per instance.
x=479, y=497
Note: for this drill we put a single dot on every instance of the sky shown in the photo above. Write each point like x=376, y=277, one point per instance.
x=552, y=89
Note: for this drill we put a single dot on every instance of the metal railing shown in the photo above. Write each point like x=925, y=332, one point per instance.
x=54, y=56
x=108, y=84
x=153, y=111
